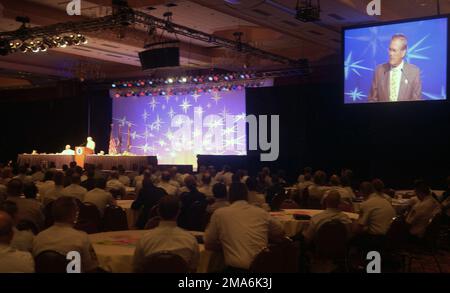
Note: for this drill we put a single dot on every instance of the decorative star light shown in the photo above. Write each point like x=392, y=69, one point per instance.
x=414, y=52
x=163, y=107
x=169, y=135
x=215, y=123
x=443, y=95
x=122, y=121
x=208, y=105
x=185, y=105
x=216, y=97
x=356, y=95
x=134, y=135
x=239, y=117
x=197, y=132
x=171, y=113
x=167, y=97
x=230, y=130
x=162, y=142
x=145, y=148
x=145, y=115
x=373, y=40
x=176, y=98
x=178, y=121
x=199, y=110
x=156, y=125
x=353, y=65
x=153, y=103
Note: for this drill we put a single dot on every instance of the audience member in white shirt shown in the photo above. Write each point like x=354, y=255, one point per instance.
x=37, y=174
x=123, y=177
x=167, y=237
x=56, y=191
x=165, y=184
x=318, y=189
x=378, y=185
x=74, y=189
x=46, y=185
x=29, y=209
x=376, y=213
x=335, y=182
x=99, y=196
x=332, y=213
x=220, y=195
x=206, y=185
x=115, y=185
x=11, y=260
x=176, y=178
x=62, y=237
x=305, y=183
x=254, y=197
x=22, y=239
x=201, y=171
x=241, y=230
x=225, y=176
x=68, y=151
x=422, y=212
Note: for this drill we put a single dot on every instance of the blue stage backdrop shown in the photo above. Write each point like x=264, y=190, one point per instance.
x=176, y=128
x=365, y=48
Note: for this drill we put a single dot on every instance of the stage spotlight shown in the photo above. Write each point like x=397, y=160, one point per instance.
x=150, y=82
x=117, y=95
x=226, y=77
x=195, y=79
x=210, y=78
x=113, y=85
x=183, y=80
x=242, y=76
x=216, y=78
x=162, y=93
x=142, y=94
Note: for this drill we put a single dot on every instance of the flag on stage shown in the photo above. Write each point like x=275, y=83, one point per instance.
x=112, y=143
x=129, y=138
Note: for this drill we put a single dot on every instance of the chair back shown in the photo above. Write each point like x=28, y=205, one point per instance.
x=50, y=261
x=331, y=241
x=114, y=219
x=277, y=200
x=163, y=262
x=197, y=216
x=304, y=198
x=277, y=258
x=88, y=219
x=48, y=214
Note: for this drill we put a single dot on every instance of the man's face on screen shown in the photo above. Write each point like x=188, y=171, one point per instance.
x=396, y=52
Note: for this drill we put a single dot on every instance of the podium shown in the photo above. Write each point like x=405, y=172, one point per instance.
x=80, y=154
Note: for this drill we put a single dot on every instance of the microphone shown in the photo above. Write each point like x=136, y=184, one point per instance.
x=406, y=76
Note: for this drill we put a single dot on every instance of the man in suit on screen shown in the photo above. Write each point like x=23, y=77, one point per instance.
x=396, y=80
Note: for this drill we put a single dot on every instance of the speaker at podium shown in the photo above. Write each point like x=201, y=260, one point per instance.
x=80, y=154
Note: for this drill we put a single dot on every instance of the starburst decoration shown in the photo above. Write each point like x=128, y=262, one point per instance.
x=373, y=40
x=199, y=111
x=224, y=113
x=239, y=117
x=414, y=52
x=122, y=121
x=163, y=107
x=356, y=95
x=442, y=96
x=169, y=135
x=145, y=115
x=185, y=105
x=208, y=105
x=349, y=64
x=153, y=103
x=156, y=125
x=161, y=142
x=171, y=113
x=134, y=135
x=145, y=148
x=178, y=121
x=167, y=97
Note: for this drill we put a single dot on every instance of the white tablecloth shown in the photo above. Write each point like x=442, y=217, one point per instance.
x=292, y=226
x=115, y=251
x=131, y=214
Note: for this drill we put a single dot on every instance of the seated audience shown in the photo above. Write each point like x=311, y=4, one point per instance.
x=187, y=199
x=46, y=185
x=168, y=237
x=90, y=181
x=12, y=260
x=74, y=189
x=165, y=184
x=241, y=230
x=254, y=197
x=224, y=176
x=22, y=176
x=378, y=185
x=206, y=185
x=22, y=239
x=376, y=213
x=307, y=181
x=335, y=184
x=220, y=194
x=147, y=198
x=114, y=185
x=422, y=212
x=37, y=174
x=331, y=213
x=276, y=188
x=55, y=192
x=306, y=171
x=99, y=196
x=318, y=189
x=123, y=177
x=62, y=237
x=29, y=209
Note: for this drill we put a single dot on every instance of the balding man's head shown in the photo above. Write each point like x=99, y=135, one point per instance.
x=190, y=182
x=378, y=185
x=6, y=228
x=333, y=199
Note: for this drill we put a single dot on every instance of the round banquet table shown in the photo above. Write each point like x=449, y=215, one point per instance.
x=291, y=226
x=131, y=214
x=115, y=251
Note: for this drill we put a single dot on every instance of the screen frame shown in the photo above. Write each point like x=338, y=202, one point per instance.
x=384, y=23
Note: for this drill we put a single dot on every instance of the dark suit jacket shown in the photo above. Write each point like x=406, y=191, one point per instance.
x=148, y=197
x=410, y=84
